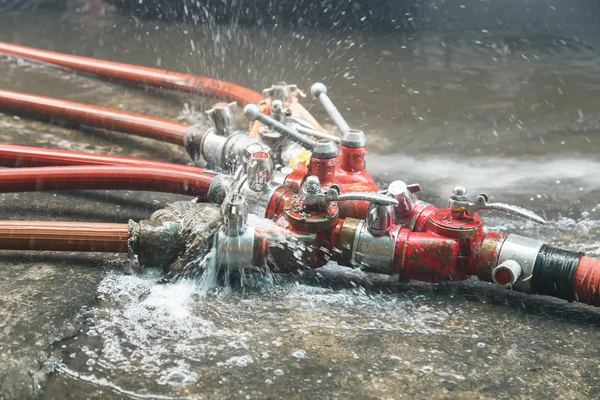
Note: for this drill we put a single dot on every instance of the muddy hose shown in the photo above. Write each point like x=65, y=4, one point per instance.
x=176, y=238
x=64, y=236
x=99, y=117
x=14, y=156
x=105, y=178
x=134, y=74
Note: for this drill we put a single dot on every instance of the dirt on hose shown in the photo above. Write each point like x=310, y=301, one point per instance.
x=175, y=236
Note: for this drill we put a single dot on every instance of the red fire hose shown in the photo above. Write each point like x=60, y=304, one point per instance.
x=64, y=236
x=105, y=178
x=27, y=156
x=148, y=76
x=105, y=118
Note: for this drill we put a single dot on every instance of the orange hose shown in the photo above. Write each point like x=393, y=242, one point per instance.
x=99, y=117
x=26, y=156
x=104, y=178
x=64, y=236
x=148, y=76
x=587, y=281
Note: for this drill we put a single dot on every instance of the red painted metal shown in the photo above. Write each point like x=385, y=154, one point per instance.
x=427, y=257
x=277, y=203
x=200, y=85
x=352, y=168
x=325, y=170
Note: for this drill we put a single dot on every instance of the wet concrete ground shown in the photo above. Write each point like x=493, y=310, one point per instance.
x=515, y=118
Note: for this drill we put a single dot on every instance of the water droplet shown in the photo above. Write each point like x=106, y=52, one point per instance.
x=299, y=354
x=426, y=370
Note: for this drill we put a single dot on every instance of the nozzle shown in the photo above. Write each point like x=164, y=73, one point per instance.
x=260, y=171
x=235, y=214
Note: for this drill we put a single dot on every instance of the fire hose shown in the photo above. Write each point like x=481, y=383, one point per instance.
x=64, y=236
x=28, y=156
x=200, y=85
x=328, y=208
x=139, y=125
x=105, y=178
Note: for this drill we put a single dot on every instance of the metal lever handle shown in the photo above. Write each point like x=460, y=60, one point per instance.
x=333, y=194
x=222, y=117
x=380, y=214
x=481, y=203
x=460, y=202
x=319, y=91
x=252, y=113
x=306, y=128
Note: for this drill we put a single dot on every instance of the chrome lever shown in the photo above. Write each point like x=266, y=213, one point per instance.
x=319, y=91
x=459, y=202
x=333, y=194
x=252, y=113
x=380, y=214
x=305, y=127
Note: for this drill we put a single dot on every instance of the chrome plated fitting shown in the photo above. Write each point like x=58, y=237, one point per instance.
x=325, y=149
x=404, y=193
x=222, y=118
x=280, y=91
x=235, y=252
x=523, y=251
x=235, y=214
x=312, y=194
x=259, y=170
x=354, y=139
x=225, y=153
x=218, y=188
x=380, y=218
x=372, y=253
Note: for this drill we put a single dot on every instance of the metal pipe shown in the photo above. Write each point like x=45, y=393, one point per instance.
x=200, y=85
x=99, y=117
x=64, y=236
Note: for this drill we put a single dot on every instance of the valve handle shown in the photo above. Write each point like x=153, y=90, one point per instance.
x=252, y=113
x=319, y=91
x=319, y=135
x=222, y=117
x=333, y=194
x=280, y=91
x=460, y=202
x=305, y=127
